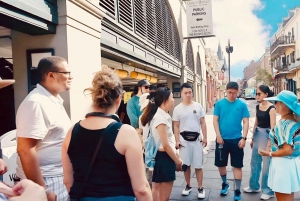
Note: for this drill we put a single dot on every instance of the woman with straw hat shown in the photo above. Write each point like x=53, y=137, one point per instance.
x=284, y=171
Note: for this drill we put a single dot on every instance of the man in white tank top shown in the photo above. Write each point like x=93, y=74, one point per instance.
x=189, y=121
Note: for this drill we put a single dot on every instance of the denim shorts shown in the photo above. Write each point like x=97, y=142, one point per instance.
x=118, y=198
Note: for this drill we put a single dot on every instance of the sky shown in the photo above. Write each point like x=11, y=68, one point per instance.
x=248, y=24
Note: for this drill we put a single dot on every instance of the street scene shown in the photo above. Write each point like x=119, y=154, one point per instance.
x=149, y=100
x=211, y=178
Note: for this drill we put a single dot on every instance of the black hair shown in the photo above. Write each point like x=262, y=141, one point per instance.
x=232, y=85
x=186, y=85
x=48, y=64
x=157, y=98
x=265, y=89
x=135, y=90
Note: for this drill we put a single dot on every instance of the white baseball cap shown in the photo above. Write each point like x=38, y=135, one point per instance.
x=144, y=100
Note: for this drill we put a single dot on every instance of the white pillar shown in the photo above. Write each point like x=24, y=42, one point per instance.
x=77, y=39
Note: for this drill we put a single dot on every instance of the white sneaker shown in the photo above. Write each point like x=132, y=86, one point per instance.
x=201, y=193
x=249, y=190
x=187, y=190
x=265, y=196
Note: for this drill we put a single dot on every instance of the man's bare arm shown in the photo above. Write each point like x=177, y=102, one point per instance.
x=29, y=160
x=245, y=126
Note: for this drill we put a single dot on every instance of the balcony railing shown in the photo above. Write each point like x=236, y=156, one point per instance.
x=283, y=40
x=280, y=64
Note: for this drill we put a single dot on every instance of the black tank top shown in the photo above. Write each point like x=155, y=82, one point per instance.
x=109, y=176
x=263, y=117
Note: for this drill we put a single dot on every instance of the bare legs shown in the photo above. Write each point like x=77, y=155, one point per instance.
x=162, y=191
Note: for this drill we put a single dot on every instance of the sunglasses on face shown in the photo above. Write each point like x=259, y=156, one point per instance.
x=258, y=94
x=146, y=87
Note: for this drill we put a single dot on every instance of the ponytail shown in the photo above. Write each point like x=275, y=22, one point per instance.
x=150, y=109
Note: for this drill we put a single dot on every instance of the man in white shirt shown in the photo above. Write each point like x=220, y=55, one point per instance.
x=42, y=124
x=189, y=121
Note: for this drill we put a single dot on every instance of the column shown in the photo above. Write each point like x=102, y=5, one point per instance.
x=77, y=39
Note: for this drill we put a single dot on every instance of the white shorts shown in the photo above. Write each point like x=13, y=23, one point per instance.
x=192, y=153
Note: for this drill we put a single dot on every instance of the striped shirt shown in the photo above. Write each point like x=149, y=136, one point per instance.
x=286, y=131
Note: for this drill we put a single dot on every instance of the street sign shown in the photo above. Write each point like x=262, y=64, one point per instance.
x=199, y=18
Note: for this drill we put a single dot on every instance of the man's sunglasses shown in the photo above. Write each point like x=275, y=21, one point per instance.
x=146, y=87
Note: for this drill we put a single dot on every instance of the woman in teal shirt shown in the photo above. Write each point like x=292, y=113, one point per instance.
x=284, y=172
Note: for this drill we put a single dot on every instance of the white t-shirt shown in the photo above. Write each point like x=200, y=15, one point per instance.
x=42, y=116
x=145, y=128
x=161, y=117
x=189, y=117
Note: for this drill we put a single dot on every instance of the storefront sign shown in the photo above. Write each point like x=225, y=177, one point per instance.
x=176, y=89
x=199, y=18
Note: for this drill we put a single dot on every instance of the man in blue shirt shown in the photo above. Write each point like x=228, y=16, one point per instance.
x=133, y=107
x=228, y=115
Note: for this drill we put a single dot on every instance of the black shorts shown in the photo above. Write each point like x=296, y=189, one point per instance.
x=229, y=147
x=164, y=169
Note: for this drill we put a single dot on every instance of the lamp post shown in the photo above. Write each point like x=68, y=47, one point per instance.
x=229, y=49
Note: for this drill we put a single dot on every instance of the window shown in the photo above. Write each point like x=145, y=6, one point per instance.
x=189, y=56
x=199, y=70
x=151, y=19
x=125, y=12
x=297, y=31
x=109, y=5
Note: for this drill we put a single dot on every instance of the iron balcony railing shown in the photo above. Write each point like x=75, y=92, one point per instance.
x=283, y=40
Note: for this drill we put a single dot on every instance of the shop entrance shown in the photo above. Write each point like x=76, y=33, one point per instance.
x=7, y=101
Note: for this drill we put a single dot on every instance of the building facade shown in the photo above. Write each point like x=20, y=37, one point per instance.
x=285, y=53
x=140, y=39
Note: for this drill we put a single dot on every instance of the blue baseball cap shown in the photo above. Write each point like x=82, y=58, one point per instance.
x=289, y=99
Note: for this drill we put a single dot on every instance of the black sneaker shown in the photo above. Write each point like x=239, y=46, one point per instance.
x=187, y=190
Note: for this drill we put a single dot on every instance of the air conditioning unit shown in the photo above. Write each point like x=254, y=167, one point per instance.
x=296, y=79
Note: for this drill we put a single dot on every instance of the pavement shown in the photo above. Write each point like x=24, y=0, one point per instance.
x=211, y=178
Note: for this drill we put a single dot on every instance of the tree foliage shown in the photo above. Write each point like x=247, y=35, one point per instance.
x=262, y=75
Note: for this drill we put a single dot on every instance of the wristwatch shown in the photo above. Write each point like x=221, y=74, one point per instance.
x=245, y=138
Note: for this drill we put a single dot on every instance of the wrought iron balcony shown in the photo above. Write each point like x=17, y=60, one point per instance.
x=280, y=66
x=282, y=43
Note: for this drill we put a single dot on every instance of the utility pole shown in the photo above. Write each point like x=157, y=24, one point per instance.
x=229, y=49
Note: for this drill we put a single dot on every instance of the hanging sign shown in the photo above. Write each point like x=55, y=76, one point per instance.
x=199, y=18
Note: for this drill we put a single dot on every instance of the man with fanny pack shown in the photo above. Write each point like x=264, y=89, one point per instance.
x=189, y=120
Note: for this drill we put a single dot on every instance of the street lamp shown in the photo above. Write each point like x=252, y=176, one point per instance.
x=229, y=49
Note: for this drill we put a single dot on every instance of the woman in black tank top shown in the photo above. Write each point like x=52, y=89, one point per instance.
x=115, y=171
x=264, y=121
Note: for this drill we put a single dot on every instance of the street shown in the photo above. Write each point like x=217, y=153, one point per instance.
x=211, y=178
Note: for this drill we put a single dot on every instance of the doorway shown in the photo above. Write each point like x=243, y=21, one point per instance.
x=7, y=101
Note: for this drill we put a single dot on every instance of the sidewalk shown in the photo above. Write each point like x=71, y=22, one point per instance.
x=211, y=178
